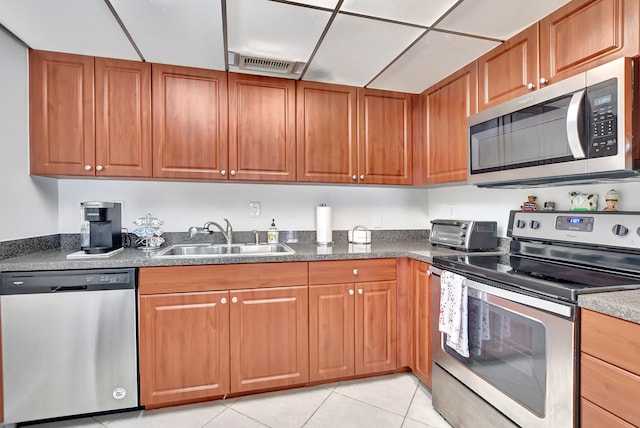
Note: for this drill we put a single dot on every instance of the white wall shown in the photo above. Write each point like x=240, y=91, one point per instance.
x=29, y=205
x=182, y=204
x=470, y=202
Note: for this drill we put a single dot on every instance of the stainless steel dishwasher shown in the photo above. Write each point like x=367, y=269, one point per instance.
x=69, y=343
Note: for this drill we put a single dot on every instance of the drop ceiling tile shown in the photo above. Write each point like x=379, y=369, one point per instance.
x=499, y=19
x=356, y=49
x=413, y=11
x=433, y=58
x=74, y=26
x=274, y=30
x=185, y=32
x=329, y=4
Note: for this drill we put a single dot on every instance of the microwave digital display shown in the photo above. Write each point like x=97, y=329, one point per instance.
x=606, y=99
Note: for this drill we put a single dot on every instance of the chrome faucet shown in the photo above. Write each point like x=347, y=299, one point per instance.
x=228, y=233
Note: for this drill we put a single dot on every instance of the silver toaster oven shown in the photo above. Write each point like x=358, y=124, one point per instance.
x=466, y=235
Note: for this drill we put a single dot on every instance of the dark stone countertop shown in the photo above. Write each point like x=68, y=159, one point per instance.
x=56, y=259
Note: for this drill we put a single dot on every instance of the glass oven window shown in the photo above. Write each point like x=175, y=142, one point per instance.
x=508, y=351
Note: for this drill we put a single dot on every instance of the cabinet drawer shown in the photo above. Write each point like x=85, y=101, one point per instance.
x=610, y=387
x=179, y=279
x=341, y=271
x=611, y=339
x=592, y=416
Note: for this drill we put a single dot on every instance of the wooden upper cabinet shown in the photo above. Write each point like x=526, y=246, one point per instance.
x=262, y=133
x=510, y=70
x=123, y=118
x=61, y=114
x=327, y=140
x=448, y=104
x=587, y=33
x=190, y=123
x=384, y=122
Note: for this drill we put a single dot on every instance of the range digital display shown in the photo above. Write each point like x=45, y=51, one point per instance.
x=574, y=223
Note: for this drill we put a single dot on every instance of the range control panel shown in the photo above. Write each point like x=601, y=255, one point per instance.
x=612, y=229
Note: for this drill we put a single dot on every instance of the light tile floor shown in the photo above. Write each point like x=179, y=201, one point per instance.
x=394, y=401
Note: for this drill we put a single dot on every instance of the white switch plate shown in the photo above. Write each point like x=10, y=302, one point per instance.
x=254, y=209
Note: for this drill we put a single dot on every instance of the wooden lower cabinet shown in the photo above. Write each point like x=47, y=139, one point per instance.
x=609, y=371
x=184, y=346
x=422, y=322
x=352, y=325
x=269, y=344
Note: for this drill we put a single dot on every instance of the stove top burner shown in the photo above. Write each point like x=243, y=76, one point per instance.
x=552, y=279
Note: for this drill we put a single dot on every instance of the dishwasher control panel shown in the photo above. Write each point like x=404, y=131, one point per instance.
x=69, y=280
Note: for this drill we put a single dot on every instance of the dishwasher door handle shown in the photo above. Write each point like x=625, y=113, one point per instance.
x=69, y=288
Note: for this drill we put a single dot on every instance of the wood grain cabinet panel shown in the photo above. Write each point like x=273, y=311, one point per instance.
x=448, y=105
x=269, y=338
x=507, y=71
x=609, y=370
x=327, y=133
x=587, y=33
x=123, y=118
x=262, y=134
x=422, y=322
x=385, y=143
x=190, y=122
x=184, y=347
x=61, y=114
x=353, y=325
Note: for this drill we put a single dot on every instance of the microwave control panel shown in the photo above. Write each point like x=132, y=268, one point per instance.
x=603, y=120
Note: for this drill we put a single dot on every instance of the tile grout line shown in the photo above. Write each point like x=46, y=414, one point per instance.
x=333, y=390
x=413, y=397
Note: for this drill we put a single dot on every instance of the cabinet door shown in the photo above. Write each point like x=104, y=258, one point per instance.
x=269, y=338
x=510, y=70
x=327, y=133
x=448, y=106
x=190, y=123
x=184, y=346
x=384, y=143
x=123, y=118
x=61, y=114
x=587, y=33
x=262, y=117
x=331, y=331
x=375, y=327
x=422, y=327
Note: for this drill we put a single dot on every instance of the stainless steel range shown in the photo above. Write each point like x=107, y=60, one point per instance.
x=522, y=318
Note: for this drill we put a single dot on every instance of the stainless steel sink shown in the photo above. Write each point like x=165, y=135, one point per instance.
x=209, y=250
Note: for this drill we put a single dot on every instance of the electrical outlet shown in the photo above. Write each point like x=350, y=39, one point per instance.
x=254, y=209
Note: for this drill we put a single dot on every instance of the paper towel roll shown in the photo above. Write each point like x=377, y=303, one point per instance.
x=324, y=234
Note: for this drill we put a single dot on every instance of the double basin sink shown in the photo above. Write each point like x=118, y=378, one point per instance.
x=216, y=250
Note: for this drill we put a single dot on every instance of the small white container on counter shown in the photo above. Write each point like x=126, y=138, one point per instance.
x=359, y=235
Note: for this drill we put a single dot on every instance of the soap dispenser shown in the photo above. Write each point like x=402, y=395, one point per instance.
x=272, y=233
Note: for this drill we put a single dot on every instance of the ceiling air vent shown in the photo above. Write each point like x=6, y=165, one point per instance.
x=265, y=64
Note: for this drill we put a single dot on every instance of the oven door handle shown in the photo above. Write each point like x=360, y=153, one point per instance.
x=523, y=299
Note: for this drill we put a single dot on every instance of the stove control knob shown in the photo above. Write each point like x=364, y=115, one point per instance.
x=620, y=230
x=463, y=226
x=535, y=224
x=520, y=224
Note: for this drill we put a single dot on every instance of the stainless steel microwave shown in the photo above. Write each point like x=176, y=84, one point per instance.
x=577, y=130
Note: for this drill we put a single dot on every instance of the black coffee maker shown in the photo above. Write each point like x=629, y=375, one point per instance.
x=101, y=228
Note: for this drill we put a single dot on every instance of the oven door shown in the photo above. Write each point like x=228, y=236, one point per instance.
x=521, y=357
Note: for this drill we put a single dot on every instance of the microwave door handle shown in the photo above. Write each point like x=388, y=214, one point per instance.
x=573, y=118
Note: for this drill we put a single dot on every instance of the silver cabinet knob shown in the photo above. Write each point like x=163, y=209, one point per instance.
x=99, y=168
x=355, y=271
x=223, y=172
x=351, y=292
x=362, y=177
x=360, y=291
x=354, y=177
x=234, y=299
x=223, y=300
x=233, y=172
x=531, y=86
x=87, y=167
x=543, y=81
x=428, y=273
